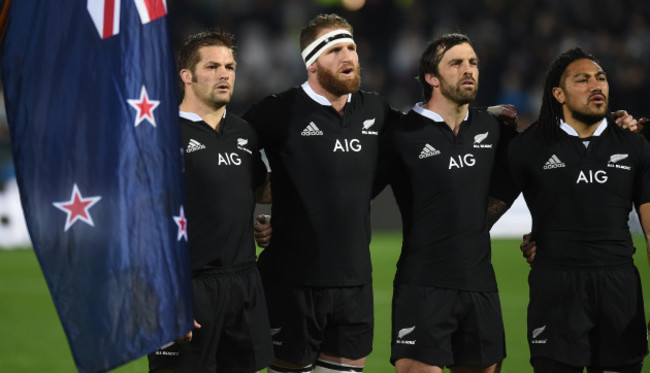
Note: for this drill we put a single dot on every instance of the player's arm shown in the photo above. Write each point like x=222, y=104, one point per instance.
x=495, y=209
x=263, y=192
x=262, y=230
x=506, y=114
x=644, y=216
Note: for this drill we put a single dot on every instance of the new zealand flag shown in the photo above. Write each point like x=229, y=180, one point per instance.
x=93, y=115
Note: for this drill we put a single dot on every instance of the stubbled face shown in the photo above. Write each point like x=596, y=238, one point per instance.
x=337, y=69
x=213, y=79
x=584, y=93
x=458, y=74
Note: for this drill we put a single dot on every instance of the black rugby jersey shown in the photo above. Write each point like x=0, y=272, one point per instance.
x=580, y=197
x=323, y=167
x=441, y=182
x=222, y=170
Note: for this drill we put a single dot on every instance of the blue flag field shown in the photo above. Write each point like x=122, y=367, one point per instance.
x=91, y=102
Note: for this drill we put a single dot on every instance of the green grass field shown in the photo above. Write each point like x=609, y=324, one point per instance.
x=32, y=340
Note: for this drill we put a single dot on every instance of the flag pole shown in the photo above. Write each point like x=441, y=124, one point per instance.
x=4, y=17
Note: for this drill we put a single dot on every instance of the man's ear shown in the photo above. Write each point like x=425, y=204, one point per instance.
x=432, y=80
x=311, y=68
x=186, y=76
x=558, y=93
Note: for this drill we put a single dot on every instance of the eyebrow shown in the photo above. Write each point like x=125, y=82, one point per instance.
x=582, y=74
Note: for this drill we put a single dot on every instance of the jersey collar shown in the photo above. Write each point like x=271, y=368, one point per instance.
x=193, y=117
x=569, y=130
x=419, y=108
x=318, y=98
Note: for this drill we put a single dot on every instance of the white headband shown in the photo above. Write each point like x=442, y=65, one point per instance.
x=320, y=45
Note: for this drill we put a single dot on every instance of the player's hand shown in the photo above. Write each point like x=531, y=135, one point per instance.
x=188, y=337
x=506, y=114
x=624, y=120
x=262, y=230
x=528, y=248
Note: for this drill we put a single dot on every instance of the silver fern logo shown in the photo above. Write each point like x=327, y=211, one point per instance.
x=538, y=331
x=366, y=125
x=615, y=158
x=478, y=139
x=241, y=145
x=404, y=332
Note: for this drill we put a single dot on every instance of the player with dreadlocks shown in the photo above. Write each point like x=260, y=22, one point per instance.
x=580, y=175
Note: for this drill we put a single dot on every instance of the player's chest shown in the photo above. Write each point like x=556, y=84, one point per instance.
x=612, y=167
x=429, y=149
x=324, y=134
x=222, y=155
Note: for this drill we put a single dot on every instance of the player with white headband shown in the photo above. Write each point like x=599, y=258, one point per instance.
x=322, y=142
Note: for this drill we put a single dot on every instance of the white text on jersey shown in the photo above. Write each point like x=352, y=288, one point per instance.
x=462, y=161
x=229, y=159
x=345, y=145
x=590, y=177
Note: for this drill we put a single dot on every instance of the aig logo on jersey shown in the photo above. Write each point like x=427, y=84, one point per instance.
x=462, y=161
x=615, y=158
x=241, y=143
x=478, y=139
x=311, y=130
x=347, y=145
x=367, y=124
x=591, y=176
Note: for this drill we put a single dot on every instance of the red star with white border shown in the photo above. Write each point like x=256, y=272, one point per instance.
x=77, y=208
x=182, y=225
x=144, y=107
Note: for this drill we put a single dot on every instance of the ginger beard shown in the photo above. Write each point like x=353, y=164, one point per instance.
x=338, y=86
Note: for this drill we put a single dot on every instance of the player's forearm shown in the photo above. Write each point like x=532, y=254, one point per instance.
x=644, y=216
x=495, y=209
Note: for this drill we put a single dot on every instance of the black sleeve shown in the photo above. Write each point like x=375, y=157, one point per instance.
x=264, y=117
x=387, y=153
x=502, y=185
x=646, y=131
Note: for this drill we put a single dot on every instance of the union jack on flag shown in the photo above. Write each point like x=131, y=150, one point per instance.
x=93, y=115
x=106, y=14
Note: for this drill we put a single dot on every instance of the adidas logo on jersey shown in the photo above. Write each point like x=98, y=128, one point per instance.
x=366, y=125
x=615, y=158
x=403, y=333
x=428, y=151
x=478, y=139
x=241, y=143
x=553, y=162
x=193, y=146
x=311, y=130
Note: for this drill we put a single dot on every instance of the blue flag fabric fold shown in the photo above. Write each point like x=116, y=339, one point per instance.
x=93, y=116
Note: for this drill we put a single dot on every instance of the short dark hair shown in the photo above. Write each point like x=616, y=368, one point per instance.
x=188, y=54
x=319, y=23
x=432, y=56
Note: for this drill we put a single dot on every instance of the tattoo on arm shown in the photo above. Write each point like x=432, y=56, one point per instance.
x=495, y=209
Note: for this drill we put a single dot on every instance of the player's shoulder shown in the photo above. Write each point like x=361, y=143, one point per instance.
x=370, y=97
x=273, y=102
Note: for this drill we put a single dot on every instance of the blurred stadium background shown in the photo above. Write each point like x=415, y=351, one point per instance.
x=515, y=41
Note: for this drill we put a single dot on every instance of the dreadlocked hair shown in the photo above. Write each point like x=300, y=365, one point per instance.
x=550, y=113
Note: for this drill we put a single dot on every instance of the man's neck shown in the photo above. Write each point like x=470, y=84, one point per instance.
x=338, y=102
x=583, y=129
x=209, y=115
x=453, y=113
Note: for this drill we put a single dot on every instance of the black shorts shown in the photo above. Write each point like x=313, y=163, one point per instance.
x=308, y=320
x=587, y=316
x=447, y=327
x=234, y=335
